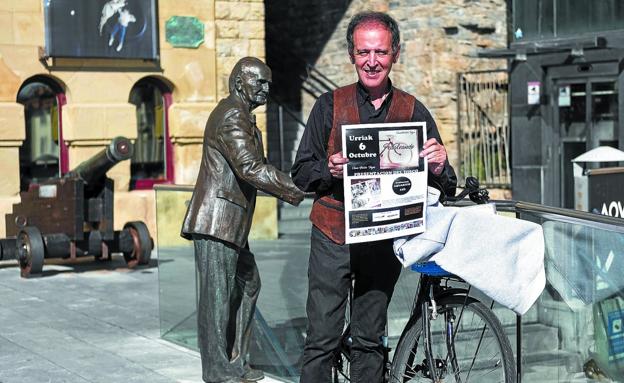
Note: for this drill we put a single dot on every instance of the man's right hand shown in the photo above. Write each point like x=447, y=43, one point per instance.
x=336, y=164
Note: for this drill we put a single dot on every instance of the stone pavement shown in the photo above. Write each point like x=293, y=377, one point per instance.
x=87, y=322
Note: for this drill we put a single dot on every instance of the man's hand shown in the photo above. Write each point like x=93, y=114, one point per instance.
x=298, y=198
x=435, y=154
x=336, y=163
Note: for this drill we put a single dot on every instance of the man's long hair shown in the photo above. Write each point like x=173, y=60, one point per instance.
x=370, y=17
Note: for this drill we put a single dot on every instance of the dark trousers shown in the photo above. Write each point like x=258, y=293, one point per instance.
x=229, y=285
x=376, y=271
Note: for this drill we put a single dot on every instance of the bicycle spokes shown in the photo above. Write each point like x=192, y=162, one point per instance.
x=448, y=350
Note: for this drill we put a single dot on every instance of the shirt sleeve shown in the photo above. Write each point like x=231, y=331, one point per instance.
x=310, y=171
x=447, y=180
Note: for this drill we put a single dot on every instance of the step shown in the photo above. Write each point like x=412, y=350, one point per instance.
x=536, y=338
x=565, y=361
x=550, y=374
x=559, y=366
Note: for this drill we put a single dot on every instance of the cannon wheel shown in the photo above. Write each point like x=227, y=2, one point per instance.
x=142, y=244
x=30, y=251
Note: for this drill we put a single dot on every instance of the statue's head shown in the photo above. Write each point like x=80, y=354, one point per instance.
x=250, y=80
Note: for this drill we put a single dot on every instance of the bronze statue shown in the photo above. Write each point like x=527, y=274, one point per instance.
x=218, y=220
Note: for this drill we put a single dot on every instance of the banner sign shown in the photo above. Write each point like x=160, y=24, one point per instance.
x=101, y=29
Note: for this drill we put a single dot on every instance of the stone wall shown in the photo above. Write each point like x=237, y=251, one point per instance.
x=239, y=33
x=439, y=38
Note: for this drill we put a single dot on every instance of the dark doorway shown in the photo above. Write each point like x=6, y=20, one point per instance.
x=585, y=102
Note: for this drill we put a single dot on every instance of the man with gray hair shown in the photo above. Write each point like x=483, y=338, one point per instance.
x=218, y=220
x=373, y=42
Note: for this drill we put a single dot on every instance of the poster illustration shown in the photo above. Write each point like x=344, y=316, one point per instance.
x=101, y=29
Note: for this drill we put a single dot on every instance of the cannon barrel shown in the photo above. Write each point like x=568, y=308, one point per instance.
x=96, y=167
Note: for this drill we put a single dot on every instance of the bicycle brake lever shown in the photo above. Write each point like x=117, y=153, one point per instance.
x=480, y=196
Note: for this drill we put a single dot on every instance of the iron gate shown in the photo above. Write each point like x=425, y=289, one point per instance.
x=483, y=127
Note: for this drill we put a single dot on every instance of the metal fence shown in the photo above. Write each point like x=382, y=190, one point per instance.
x=483, y=127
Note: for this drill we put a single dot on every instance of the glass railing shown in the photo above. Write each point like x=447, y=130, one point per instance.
x=176, y=268
x=574, y=331
x=579, y=331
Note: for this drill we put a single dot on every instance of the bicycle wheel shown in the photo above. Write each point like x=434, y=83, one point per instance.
x=480, y=351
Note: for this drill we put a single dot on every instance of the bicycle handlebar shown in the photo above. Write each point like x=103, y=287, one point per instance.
x=473, y=190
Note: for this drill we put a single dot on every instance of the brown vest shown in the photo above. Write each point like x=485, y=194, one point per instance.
x=327, y=213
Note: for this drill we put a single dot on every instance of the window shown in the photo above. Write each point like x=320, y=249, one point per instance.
x=152, y=161
x=544, y=19
x=43, y=155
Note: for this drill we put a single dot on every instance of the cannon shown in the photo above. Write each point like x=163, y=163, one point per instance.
x=72, y=216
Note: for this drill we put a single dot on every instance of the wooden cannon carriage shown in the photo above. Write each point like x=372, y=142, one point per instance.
x=72, y=216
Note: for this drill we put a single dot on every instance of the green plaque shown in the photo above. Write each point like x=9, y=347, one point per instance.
x=184, y=31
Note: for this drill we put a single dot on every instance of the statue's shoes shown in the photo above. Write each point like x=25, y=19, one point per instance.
x=253, y=375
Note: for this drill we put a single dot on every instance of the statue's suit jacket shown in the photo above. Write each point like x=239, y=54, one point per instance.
x=233, y=167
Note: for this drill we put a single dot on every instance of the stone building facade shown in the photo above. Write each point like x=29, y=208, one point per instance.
x=439, y=38
x=97, y=106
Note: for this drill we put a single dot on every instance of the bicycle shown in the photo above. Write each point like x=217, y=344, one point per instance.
x=451, y=336
x=422, y=361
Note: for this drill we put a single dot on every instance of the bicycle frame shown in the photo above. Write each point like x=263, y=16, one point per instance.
x=431, y=288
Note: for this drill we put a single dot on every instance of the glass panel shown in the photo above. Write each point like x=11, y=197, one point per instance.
x=606, y=15
x=536, y=18
x=39, y=154
x=572, y=118
x=578, y=332
x=280, y=321
x=176, y=271
x=604, y=114
x=574, y=332
x=573, y=133
x=279, y=325
x=148, y=160
x=581, y=16
x=572, y=16
x=533, y=19
x=547, y=21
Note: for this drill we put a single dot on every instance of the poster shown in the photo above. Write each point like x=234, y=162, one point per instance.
x=565, y=98
x=533, y=91
x=385, y=180
x=101, y=29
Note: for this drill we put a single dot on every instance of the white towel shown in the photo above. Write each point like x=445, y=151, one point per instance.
x=501, y=256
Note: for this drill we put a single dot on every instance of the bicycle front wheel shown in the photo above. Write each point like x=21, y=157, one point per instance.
x=468, y=344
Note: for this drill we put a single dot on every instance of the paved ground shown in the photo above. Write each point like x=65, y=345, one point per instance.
x=99, y=322
x=87, y=322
